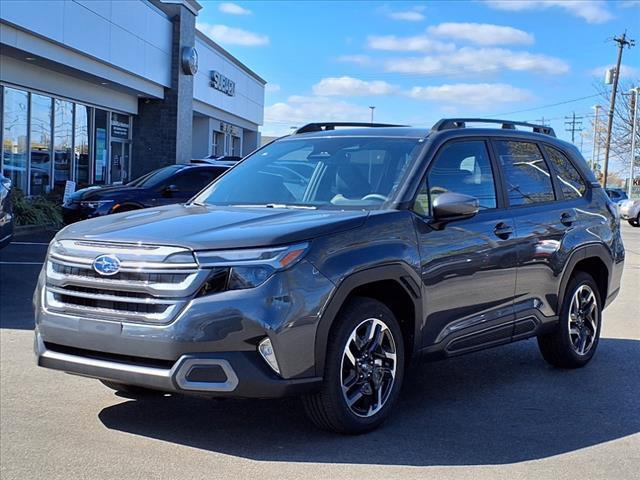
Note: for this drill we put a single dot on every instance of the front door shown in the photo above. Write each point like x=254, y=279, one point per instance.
x=119, y=162
x=469, y=265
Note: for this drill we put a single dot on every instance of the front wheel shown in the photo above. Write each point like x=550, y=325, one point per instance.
x=573, y=343
x=363, y=371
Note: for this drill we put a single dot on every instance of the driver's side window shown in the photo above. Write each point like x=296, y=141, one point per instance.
x=460, y=167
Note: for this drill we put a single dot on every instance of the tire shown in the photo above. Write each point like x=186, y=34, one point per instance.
x=130, y=389
x=375, y=381
x=563, y=349
x=635, y=222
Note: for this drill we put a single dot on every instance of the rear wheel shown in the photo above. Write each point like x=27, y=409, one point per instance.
x=573, y=343
x=363, y=371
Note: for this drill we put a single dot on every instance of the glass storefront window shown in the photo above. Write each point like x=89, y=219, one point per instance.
x=62, y=144
x=14, y=137
x=81, y=145
x=40, y=144
x=100, y=151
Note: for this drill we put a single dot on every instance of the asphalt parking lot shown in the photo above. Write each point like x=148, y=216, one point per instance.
x=501, y=413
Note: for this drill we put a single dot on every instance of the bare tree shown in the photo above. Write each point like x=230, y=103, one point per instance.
x=622, y=125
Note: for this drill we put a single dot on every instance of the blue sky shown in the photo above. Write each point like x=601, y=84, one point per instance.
x=420, y=61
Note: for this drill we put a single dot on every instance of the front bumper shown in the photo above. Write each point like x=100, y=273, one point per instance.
x=229, y=374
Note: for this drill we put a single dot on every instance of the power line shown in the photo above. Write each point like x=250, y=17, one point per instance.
x=545, y=106
x=573, y=125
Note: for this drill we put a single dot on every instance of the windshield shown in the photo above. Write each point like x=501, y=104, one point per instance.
x=155, y=178
x=360, y=172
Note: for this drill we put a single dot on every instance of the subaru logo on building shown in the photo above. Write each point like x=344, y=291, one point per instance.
x=106, y=264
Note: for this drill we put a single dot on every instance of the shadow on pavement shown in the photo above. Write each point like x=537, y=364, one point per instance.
x=499, y=406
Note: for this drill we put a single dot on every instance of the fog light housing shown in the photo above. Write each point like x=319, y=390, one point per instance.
x=266, y=351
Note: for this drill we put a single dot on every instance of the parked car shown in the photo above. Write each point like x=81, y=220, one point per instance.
x=172, y=184
x=391, y=244
x=630, y=211
x=216, y=159
x=617, y=195
x=6, y=211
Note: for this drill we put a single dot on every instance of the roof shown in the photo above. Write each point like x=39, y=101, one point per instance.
x=202, y=36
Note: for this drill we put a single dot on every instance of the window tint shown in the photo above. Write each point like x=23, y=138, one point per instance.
x=570, y=180
x=460, y=167
x=195, y=179
x=526, y=173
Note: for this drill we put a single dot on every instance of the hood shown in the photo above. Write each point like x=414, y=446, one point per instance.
x=208, y=227
x=98, y=192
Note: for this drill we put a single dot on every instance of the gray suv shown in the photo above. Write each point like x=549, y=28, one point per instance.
x=323, y=263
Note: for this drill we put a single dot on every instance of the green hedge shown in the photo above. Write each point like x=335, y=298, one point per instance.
x=36, y=210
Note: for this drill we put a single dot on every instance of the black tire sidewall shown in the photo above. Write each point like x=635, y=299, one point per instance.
x=359, y=310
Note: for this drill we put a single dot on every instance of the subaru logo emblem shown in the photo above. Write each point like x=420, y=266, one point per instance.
x=106, y=264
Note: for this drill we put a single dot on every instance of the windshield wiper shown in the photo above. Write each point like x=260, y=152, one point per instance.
x=274, y=205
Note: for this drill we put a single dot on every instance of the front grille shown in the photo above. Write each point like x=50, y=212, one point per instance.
x=145, y=290
x=126, y=276
x=112, y=357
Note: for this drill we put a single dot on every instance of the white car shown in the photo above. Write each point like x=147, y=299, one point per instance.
x=630, y=211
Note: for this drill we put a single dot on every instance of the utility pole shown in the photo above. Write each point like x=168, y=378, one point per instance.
x=622, y=42
x=595, y=156
x=575, y=126
x=372, y=109
x=542, y=122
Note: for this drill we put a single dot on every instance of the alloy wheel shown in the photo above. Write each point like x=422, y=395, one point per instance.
x=368, y=368
x=583, y=320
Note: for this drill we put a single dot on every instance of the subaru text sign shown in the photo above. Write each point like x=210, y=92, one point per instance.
x=222, y=83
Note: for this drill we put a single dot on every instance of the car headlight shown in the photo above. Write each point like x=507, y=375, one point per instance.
x=96, y=203
x=251, y=267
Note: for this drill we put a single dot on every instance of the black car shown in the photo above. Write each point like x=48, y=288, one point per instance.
x=6, y=211
x=172, y=184
x=325, y=262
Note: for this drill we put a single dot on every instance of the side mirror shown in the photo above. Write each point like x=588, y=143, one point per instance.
x=454, y=206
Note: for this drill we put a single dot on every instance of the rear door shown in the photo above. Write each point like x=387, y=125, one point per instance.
x=545, y=209
x=468, y=266
x=187, y=183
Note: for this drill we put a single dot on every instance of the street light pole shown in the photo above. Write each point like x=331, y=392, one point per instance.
x=596, y=142
x=634, y=130
x=372, y=109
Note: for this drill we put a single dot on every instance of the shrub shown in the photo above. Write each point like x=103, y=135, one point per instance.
x=36, y=210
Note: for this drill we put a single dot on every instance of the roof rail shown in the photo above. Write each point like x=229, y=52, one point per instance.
x=447, y=123
x=320, y=127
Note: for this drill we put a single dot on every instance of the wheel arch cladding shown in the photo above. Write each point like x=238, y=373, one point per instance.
x=394, y=285
x=594, y=260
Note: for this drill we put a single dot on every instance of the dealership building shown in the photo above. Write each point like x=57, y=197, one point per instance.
x=99, y=92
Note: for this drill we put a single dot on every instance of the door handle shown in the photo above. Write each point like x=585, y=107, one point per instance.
x=567, y=218
x=503, y=231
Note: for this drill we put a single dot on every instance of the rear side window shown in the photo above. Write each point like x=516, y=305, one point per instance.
x=570, y=180
x=526, y=173
x=195, y=179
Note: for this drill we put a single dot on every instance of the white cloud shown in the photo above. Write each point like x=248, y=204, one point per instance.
x=417, y=43
x=233, y=9
x=482, y=33
x=357, y=59
x=299, y=110
x=593, y=11
x=627, y=72
x=232, y=36
x=272, y=88
x=471, y=60
x=476, y=95
x=349, y=86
